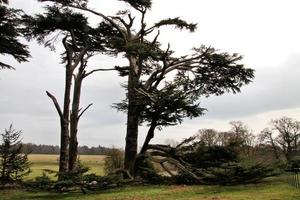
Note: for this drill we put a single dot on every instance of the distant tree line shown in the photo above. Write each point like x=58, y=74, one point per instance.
x=54, y=149
x=278, y=142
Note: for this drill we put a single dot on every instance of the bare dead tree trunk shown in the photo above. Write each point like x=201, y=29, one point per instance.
x=64, y=121
x=77, y=112
x=73, y=149
x=64, y=145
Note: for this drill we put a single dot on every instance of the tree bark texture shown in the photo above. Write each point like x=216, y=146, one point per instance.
x=73, y=148
x=132, y=117
x=64, y=143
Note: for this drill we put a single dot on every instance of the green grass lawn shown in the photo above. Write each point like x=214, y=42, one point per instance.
x=276, y=188
x=272, y=189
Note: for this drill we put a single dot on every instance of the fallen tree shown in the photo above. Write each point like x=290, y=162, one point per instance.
x=191, y=162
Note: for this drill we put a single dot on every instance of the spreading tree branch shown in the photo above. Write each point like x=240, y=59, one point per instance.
x=5, y=66
x=84, y=110
x=177, y=22
x=111, y=21
x=97, y=70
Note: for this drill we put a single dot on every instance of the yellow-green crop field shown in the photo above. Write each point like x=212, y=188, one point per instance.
x=41, y=162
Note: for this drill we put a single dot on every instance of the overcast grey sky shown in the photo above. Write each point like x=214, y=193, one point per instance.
x=265, y=32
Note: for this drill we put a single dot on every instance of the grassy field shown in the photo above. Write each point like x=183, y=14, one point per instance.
x=41, y=162
x=273, y=189
x=270, y=189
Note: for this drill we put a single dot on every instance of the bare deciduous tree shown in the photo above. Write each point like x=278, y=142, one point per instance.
x=284, y=133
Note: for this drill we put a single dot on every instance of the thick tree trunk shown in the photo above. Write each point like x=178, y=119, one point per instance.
x=64, y=144
x=131, y=136
x=73, y=150
x=132, y=117
x=64, y=141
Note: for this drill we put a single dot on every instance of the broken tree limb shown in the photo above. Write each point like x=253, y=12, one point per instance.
x=167, y=169
x=175, y=163
x=166, y=154
x=55, y=104
x=98, y=70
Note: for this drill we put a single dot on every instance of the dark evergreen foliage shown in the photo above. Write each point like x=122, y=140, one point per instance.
x=168, y=106
x=219, y=165
x=71, y=24
x=68, y=180
x=215, y=73
x=14, y=164
x=10, y=33
x=229, y=174
x=81, y=3
x=178, y=23
x=139, y=4
x=205, y=157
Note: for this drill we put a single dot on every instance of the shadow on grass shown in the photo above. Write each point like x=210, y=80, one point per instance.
x=23, y=195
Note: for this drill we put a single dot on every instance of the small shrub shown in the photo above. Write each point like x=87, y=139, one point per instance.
x=43, y=182
x=14, y=164
x=114, y=160
x=76, y=175
x=71, y=180
x=68, y=181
